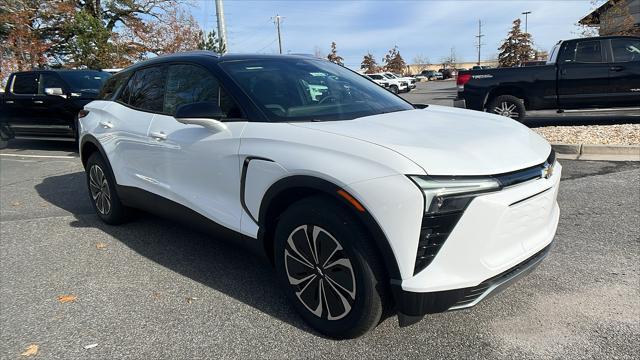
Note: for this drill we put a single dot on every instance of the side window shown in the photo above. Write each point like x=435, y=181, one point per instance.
x=625, y=50
x=112, y=85
x=25, y=84
x=589, y=51
x=188, y=84
x=50, y=81
x=145, y=89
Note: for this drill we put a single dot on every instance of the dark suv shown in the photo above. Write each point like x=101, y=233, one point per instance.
x=43, y=104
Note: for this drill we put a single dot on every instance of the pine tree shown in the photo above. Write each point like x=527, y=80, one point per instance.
x=333, y=55
x=369, y=64
x=212, y=43
x=516, y=48
x=394, y=62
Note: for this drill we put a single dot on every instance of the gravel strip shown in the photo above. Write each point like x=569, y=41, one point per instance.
x=625, y=134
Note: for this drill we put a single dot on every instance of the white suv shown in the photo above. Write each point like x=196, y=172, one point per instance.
x=361, y=202
x=395, y=85
x=411, y=81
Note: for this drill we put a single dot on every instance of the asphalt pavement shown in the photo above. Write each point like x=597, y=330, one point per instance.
x=155, y=289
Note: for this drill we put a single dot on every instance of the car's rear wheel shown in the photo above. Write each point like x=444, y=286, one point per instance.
x=509, y=106
x=102, y=191
x=329, y=270
x=394, y=89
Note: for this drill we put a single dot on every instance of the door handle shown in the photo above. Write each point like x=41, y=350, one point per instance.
x=38, y=101
x=616, y=68
x=106, y=124
x=158, y=135
x=9, y=101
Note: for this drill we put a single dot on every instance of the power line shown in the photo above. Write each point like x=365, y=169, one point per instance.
x=277, y=19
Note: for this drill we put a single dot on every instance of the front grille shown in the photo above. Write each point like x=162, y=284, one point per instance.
x=435, y=230
x=520, y=176
x=473, y=293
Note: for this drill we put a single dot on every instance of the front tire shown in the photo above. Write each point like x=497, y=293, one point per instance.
x=329, y=270
x=102, y=192
x=394, y=89
x=509, y=106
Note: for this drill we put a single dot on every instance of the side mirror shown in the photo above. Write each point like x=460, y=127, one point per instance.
x=54, y=91
x=205, y=114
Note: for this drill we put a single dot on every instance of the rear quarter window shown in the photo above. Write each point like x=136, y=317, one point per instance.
x=112, y=85
x=25, y=84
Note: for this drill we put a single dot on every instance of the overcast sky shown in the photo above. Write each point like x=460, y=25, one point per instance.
x=419, y=27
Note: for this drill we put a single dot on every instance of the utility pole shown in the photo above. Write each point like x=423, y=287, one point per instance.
x=526, y=20
x=277, y=19
x=479, y=36
x=222, y=29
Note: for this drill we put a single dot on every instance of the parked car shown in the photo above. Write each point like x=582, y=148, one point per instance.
x=378, y=80
x=361, y=201
x=395, y=85
x=43, y=104
x=601, y=72
x=411, y=81
x=448, y=73
x=432, y=75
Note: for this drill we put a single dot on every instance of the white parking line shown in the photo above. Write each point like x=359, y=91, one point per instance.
x=41, y=156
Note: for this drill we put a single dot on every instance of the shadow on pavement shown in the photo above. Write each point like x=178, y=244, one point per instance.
x=205, y=258
x=49, y=145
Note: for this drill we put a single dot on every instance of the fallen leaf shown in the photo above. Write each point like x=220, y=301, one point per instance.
x=90, y=346
x=101, y=246
x=67, y=298
x=156, y=295
x=30, y=350
x=191, y=299
x=16, y=203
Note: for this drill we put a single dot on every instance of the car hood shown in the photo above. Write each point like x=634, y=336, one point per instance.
x=448, y=141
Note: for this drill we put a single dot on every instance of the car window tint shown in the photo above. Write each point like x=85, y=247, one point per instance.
x=112, y=85
x=625, y=50
x=25, y=84
x=588, y=51
x=188, y=84
x=50, y=81
x=145, y=89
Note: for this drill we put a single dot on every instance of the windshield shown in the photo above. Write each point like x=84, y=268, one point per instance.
x=85, y=81
x=390, y=76
x=310, y=90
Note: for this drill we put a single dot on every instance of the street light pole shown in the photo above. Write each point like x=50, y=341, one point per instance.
x=526, y=20
x=222, y=29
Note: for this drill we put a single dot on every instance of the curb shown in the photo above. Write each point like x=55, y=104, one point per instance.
x=597, y=152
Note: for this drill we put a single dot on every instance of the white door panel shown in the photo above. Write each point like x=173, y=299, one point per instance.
x=197, y=168
x=124, y=138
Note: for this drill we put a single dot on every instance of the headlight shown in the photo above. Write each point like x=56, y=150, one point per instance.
x=449, y=194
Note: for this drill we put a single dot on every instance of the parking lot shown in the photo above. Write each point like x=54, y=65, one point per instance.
x=153, y=288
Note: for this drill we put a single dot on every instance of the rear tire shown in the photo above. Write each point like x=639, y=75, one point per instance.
x=102, y=191
x=3, y=143
x=336, y=285
x=509, y=106
x=394, y=89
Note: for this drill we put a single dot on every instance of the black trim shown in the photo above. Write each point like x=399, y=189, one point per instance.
x=413, y=304
x=144, y=200
x=326, y=187
x=88, y=138
x=243, y=181
x=529, y=197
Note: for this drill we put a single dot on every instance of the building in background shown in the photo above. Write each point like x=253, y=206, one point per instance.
x=615, y=17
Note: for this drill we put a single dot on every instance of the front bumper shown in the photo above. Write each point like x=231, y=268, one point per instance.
x=500, y=237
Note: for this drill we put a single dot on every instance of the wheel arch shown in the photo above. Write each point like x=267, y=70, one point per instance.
x=506, y=90
x=89, y=145
x=286, y=191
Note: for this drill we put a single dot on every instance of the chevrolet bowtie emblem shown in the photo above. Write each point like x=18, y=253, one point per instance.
x=547, y=170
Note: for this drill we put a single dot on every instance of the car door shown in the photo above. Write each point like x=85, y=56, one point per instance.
x=190, y=164
x=123, y=131
x=19, y=104
x=624, y=72
x=51, y=111
x=583, y=74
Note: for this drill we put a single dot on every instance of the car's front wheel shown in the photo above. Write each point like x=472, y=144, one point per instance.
x=102, y=191
x=509, y=106
x=329, y=269
x=394, y=89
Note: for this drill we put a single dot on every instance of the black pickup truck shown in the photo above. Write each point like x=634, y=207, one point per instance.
x=600, y=72
x=43, y=104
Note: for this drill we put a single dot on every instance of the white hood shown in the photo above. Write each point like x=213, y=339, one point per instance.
x=448, y=141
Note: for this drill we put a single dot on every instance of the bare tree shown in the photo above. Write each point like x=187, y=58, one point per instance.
x=420, y=62
x=333, y=55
